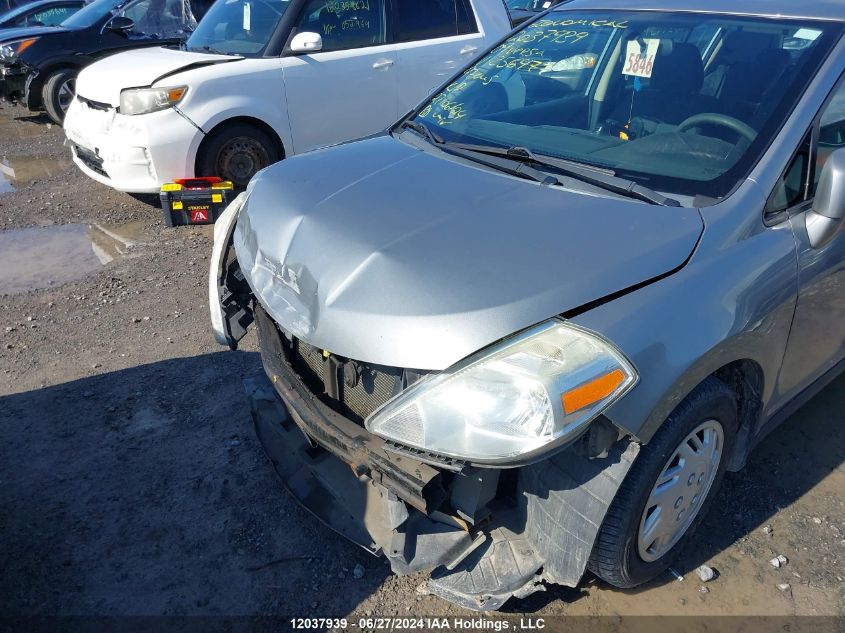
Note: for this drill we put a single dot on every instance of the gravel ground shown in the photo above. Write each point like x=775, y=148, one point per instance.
x=131, y=481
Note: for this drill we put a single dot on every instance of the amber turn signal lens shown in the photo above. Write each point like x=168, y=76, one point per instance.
x=26, y=44
x=174, y=94
x=592, y=392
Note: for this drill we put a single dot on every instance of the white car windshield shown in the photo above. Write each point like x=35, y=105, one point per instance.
x=238, y=27
x=680, y=102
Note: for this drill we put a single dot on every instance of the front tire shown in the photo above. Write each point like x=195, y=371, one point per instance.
x=236, y=152
x=57, y=93
x=668, y=489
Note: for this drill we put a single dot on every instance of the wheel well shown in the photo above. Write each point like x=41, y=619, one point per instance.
x=36, y=101
x=261, y=125
x=745, y=378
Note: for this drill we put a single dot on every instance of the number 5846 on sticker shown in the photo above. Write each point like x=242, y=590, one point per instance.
x=639, y=58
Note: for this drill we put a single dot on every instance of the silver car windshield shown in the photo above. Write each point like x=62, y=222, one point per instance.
x=238, y=27
x=680, y=102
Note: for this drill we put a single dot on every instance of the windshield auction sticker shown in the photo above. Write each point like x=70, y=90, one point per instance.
x=639, y=58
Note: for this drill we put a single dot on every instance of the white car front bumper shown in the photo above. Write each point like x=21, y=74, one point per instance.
x=223, y=229
x=136, y=154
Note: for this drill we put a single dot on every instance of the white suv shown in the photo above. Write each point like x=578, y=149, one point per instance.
x=264, y=79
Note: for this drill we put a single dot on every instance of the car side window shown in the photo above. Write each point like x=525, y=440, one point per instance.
x=831, y=131
x=796, y=184
x=156, y=18
x=345, y=24
x=54, y=16
x=791, y=187
x=430, y=19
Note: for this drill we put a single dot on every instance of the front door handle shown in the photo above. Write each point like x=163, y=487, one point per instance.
x=383, y=63
x=469, y=48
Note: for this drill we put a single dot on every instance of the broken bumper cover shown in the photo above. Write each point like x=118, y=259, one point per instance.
x=12, y=81
x=136, y=154
x=377, y=490
x=391, y=504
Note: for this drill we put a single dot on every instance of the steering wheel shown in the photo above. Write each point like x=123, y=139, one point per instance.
x=723, y=120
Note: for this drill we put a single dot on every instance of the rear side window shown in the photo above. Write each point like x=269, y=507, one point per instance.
x=430, y=19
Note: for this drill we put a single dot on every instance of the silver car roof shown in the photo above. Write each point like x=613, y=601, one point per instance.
x=809, y=9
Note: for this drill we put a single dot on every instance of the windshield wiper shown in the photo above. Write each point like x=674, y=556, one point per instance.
x=423, y=130
x=522, y=169
x=209, y=49
x=584, y=173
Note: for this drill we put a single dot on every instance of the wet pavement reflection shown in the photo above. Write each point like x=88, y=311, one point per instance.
x=42, y=257
x=24, y=127
x=17, y=170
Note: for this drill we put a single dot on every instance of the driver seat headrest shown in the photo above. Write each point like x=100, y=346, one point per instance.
x=678, y=68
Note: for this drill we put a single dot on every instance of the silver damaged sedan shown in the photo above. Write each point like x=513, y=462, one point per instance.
x=524, y=332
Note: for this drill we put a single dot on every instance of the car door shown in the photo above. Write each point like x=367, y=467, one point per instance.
x=435, y=39
x=348, y=89
x=817, y=339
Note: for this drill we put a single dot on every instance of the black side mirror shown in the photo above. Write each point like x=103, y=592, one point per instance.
x=120, y=24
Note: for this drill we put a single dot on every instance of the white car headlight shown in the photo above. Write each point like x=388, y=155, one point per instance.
x=11, y=50
x=523, y=396
x=145, y=100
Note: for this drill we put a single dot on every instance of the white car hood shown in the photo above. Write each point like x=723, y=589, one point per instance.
x=138, y=68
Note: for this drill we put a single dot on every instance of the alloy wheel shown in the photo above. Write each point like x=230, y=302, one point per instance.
x=66, y=93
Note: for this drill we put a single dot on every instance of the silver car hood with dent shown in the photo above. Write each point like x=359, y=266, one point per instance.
x=383, y=253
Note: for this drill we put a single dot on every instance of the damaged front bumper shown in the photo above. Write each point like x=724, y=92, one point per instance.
x=12, y=81
x=485, y=535
x=136, y=154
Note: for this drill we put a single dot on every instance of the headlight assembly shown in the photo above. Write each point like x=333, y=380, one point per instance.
x=523, y=396
x=145, y=100
x=12, y=50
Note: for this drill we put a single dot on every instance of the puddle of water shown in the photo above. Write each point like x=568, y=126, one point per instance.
x=43, y=257
x=16, y=170
x=22, y=128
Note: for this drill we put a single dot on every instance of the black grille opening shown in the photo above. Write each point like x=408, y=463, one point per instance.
x=352, y=388
x=95, y=105
x=90, y=160
x=360, y=388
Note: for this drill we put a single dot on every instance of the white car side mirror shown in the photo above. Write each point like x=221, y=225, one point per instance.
x=306, y=42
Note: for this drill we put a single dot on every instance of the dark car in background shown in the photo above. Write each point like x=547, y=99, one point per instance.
x=39, y=65
x=40, y=13
x=8, y=5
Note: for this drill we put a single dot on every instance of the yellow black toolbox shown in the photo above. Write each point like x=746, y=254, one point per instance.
x=195, y=200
